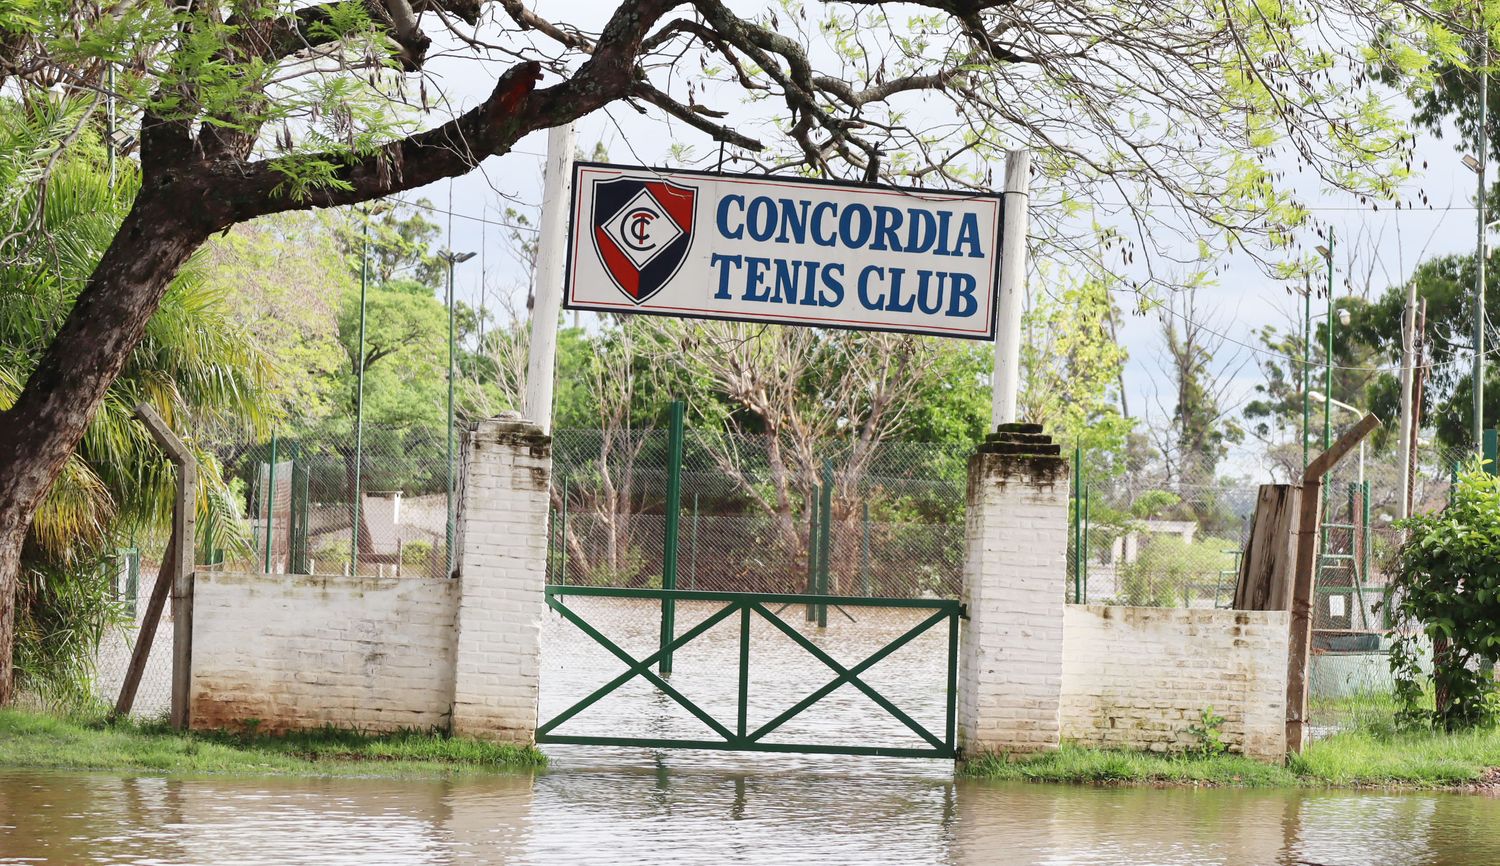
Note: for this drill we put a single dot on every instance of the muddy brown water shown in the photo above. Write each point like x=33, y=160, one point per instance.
x=607, y=806
x=685, y=810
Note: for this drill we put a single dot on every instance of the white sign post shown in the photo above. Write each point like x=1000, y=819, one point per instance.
x=783, y=250
x=1006, y=380
x=551, y=242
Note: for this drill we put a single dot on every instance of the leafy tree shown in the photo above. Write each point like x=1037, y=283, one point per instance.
x=1446, y=283
x=1447, y=589
x=1274, y=416
x=401, y=247
x=195, y=365
x=266, y=106
x=285, y=278
x=1070, y=372
x=1200, y=427
x=405, y=355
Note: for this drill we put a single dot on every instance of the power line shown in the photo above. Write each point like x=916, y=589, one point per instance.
x=1261, y=350
x=461, y=215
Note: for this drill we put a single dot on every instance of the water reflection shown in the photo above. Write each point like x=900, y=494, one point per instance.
x=668, y=809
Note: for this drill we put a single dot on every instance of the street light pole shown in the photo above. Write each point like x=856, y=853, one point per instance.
x=1328, y=367
x=1358, y=413
x=1327, y=253
x=1306, y=365
x=1480, y=167
x=453, y=259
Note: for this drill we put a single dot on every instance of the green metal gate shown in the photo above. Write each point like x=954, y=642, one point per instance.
x=736, y=734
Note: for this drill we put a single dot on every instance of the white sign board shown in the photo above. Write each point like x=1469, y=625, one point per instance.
x=777, y=249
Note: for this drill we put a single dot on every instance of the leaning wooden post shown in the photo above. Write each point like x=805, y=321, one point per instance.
x=1300, y=641
x=182, y=558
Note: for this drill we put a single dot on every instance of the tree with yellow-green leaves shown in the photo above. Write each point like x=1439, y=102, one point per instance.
x=234, y=111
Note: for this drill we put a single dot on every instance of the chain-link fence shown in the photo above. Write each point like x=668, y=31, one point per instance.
x=376, y=503
x=134, y=584
x=1177, y=545
x=756, y=514
x=750, y=513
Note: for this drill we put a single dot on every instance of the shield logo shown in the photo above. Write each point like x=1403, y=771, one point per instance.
x=642, y=232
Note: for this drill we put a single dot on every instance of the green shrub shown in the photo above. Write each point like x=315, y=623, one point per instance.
x=1447, y=588
x=416, y=552
x=1168, y=570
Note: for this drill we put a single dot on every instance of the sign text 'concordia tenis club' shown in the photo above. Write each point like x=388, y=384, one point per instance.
x=773, y=249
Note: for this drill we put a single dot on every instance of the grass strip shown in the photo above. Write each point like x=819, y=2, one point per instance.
x=1355, y=759
x=42, y=741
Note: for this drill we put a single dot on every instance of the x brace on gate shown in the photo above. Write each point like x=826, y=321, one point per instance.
x=748, y=605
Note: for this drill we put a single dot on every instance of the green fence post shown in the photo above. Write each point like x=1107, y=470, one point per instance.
x=825, y=515
x=1083, y=560
x=1077, y=523
x=551, y=566
x=813, y=495
x=270, y=502
x=669, y=551
x=864, y=549
x=693, y=548
x=252, y=508
x=132, y=576
x=1364, y=549
x=562, y=541
x=299, y=513
x=1490, y=443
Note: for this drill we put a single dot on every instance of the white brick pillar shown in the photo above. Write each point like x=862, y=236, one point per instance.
x=1015, y=566
x=502, y=569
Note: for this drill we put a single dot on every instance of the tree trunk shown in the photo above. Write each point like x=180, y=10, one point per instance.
x=38, y=434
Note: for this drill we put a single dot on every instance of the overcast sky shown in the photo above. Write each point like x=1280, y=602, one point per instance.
x=1376, y=248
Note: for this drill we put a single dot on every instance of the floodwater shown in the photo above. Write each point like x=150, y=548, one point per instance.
x=608, y=806
x=686, y=810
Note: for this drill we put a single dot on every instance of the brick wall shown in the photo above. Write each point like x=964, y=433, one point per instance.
x=302, y=651
x=1010, y=665
x=1138, y=677
x=507, y=473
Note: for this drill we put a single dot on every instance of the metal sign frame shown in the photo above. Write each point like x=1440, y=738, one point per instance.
x=574, y=220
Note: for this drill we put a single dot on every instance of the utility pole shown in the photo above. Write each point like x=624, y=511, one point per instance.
x=1306, y=366
x=1408, y=381
x=359, y=398
x=1480, y=250
x=552, y=242
x=453, y=259
x=1419, y=379
x=1006, y=379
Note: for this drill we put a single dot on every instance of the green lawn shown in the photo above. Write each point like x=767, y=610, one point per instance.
x=1364, y=758
x=41, y=741
x=1352, y=759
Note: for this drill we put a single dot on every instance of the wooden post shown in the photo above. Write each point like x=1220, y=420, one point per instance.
x=1302, y=586
x=181, y=554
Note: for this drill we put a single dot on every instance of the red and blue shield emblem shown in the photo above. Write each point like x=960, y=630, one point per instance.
x=642, y=232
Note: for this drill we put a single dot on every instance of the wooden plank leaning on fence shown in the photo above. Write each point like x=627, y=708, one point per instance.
x=176, y=577
x=1265, y=569
x=1302, y=586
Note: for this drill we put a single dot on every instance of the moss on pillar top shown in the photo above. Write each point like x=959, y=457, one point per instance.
x=509, y=428
x=1018, y=452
